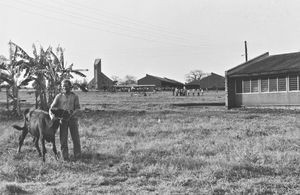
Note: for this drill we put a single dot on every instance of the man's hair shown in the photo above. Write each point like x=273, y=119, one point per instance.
x=67, y=81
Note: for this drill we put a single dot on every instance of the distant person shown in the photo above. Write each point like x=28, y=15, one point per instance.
x=69, y=101
x=184, y=91
x=202, y=92
x=176, y=91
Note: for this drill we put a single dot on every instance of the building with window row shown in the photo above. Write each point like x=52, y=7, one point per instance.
x=267, y=80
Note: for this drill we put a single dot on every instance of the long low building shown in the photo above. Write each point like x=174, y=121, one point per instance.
x=267, y=80
x=159, y=82
x=211, y=81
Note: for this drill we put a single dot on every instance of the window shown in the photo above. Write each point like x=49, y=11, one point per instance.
x=254, y=85
x=293, y=83
x=246, y=86
x=273, y=84
x=239, y=86
x=282, y=83
x=264, y=85
x=299, y=83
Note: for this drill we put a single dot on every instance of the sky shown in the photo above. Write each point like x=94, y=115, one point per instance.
x=165, y=38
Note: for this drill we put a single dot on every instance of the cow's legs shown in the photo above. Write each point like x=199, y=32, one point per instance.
x=54, y=149
x=36, y=143
x=43, y=148
x=21, y=139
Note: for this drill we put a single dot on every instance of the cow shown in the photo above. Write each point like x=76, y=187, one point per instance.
x=40, y=125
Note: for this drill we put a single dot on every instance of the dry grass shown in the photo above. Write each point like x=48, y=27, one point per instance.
x=138, y=145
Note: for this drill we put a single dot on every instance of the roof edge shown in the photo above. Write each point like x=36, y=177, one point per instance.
x=288, y=53
x=174, y=81
x=258, y=58
x=287, y=71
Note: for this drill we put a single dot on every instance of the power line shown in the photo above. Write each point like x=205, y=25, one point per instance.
x=138, y=27
x=156, y=38
x=130, y=51
x=84, y=25
x=129, y=20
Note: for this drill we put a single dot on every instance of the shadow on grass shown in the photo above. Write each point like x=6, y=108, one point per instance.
x=106, y=159
x=200, y=104
x=12, y=189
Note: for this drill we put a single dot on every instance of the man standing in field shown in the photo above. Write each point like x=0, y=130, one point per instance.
x=69, y=101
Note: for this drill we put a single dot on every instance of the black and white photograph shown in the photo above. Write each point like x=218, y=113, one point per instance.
x=149, y=97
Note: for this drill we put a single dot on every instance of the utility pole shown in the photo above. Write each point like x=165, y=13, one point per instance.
x=246, y=51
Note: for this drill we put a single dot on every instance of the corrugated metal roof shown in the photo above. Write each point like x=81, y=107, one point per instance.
x=174, y=81
x=211, y=76
x=266, y=65
x=165, y=79
x=159, y=78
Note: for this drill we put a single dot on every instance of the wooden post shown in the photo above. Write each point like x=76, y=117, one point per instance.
x=246, y=52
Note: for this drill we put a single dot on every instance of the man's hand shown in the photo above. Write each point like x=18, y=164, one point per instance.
x=73, y=113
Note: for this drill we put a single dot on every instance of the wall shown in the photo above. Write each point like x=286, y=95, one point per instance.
x=105, y=82
x=147, y=80
x=278, y=98
x=230, y=92
x=212, y=82
x=97, y=73
x=272, y=99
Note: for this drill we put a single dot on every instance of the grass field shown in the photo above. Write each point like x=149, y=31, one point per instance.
x=160, y=144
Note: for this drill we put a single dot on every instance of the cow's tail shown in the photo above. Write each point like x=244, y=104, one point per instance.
x=25, y=119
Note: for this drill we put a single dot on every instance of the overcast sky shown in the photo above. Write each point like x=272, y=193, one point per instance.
x=166, y=38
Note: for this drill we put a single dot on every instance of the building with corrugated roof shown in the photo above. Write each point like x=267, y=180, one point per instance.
x=211, y=81
x=159, y=82
x=267, y=80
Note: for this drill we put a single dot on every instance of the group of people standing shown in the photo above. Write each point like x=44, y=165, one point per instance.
x=187, y=92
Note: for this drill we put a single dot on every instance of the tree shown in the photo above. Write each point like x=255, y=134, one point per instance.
x=13, y=76
x=3, y=62
x=129, y=80
x=58, y=72
x=194, y=75
x=81, y=84
x=116, y=79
